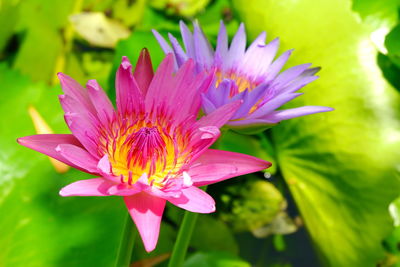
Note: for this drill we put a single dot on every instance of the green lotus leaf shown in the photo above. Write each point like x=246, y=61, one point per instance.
x=339, y=166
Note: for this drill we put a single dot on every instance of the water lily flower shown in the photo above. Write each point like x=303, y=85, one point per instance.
x=253, y=75
x=151, y=148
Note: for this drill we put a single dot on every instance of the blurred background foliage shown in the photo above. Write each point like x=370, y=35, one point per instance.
x=331, y=197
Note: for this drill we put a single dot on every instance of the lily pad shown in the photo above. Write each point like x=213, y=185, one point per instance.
x=340, y=166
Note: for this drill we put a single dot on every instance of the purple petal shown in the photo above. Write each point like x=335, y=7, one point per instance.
x=164, y=44
x=273, y=104
x=277, y=65
x=220, y=96
x=310, y=71
x=180, y=55
x=207, y=105
x=222, y=43
x=298, y=84
x=289, y=75
x=146, y=211
x=249, y=100
x=204, y=52
x=237, y=47
x=245, y=107
x=280, y=115
x=187, y=39
x=220, y=116
x=258, y=58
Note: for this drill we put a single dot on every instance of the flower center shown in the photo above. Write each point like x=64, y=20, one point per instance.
x=242, y=82
x=141, y=147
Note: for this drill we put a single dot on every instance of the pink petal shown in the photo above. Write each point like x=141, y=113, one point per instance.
x=195, y=200
x=79, y=157
x=84, y=130
x=203, y=139
x=143, y=73
x=161, y=85
x=83, y=124
x=71, y=105
x=47, y=143
x=90, y=187
x=73, y=89
x=101, y=102
x=129, y=97
x=185, y=92
x=221, y=115
x=122, y=190
x=178, y=92
x=216, y=165
x=104, y=165
x=146, y=211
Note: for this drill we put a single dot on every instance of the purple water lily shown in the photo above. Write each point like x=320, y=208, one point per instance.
x=253, y=75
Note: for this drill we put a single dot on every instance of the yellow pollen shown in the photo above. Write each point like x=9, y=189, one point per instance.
x=242, y=82
x=143, y=148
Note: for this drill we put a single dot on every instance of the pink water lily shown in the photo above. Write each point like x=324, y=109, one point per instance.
x=151, y=149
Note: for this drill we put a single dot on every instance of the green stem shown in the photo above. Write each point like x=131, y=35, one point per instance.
x=185, y=231
x=126, y=246
x=183, y=239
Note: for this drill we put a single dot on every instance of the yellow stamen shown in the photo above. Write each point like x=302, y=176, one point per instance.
x=242, y=82
x=143, y=148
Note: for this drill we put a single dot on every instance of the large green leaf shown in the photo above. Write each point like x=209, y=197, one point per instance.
x=41, y=24
x=377, y=13
x=9, y=12
x=40, y=228
x=339, y=166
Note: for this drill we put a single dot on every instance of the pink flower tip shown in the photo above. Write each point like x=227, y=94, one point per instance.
x=125, y=64
x=93, y=84
x=62, y=193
